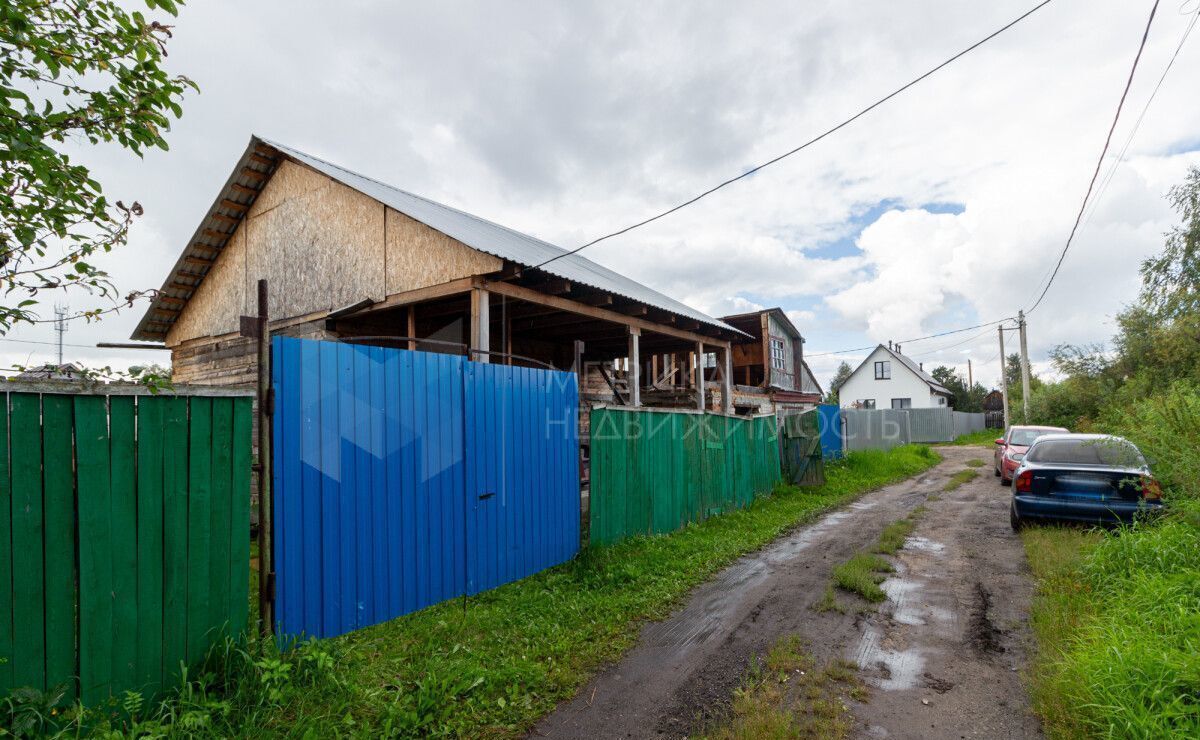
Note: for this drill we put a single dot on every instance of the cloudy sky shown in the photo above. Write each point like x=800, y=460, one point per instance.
x=943, y=208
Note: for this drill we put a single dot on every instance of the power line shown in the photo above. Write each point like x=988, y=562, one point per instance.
x=910, y=341
x=48, y=344
x=1107, y=140
x=1108, y=176
x=806, y=144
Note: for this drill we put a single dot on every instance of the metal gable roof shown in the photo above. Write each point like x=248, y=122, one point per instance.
x=473, y=231
x=919, y=372
x=501, y=241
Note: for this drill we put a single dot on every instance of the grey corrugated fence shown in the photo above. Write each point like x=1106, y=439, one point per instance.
x=883, y=429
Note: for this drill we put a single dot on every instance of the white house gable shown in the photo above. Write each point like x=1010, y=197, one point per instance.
x=885, y=381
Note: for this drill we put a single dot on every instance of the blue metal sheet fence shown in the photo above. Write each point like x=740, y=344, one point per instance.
x=403, y=479
x=829, y=419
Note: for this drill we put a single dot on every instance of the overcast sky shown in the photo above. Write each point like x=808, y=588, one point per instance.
x=943, y=208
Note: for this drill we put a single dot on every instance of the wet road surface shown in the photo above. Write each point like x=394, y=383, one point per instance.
x=941, y=655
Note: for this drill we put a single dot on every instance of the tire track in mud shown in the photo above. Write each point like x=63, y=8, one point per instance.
x=684, y=669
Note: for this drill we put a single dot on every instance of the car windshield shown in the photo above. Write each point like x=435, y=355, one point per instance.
x=1025, y=437
x=1106, y=451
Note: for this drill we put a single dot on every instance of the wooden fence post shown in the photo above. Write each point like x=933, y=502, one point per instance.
x=266, y=403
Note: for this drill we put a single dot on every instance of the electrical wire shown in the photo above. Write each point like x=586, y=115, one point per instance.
x=910, y=341
x=1112, y=170
x=1107, y=140
x=806, y=144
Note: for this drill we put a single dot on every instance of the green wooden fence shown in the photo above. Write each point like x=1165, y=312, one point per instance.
x=653, y=471
x=124, y=537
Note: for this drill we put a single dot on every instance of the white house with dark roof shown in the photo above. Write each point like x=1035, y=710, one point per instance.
x=889, y=380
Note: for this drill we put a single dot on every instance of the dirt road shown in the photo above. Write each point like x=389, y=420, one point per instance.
x=941, y=656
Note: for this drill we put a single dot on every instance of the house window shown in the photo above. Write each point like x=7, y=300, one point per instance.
x=883, y=370
x=777, y=354
x=865, y=403
x=902, y=403
x=941, y=400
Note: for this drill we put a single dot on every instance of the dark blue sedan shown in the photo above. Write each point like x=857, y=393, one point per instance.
x=1090, y=478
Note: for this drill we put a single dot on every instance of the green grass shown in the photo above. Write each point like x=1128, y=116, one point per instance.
x=894, y=534
x=976, y=463
x=789, y=695
x=862, y=575
x=984, y=437
x=959, y=478
x=829, y=602
x=1117, y=621
x=496, y=667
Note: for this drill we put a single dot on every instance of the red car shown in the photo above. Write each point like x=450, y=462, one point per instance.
x=1011, y=448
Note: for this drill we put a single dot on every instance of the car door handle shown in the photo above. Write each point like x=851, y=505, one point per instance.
x=485, y=496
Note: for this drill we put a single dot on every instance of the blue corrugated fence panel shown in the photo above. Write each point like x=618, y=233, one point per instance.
x=830, y=420
x=403, y=479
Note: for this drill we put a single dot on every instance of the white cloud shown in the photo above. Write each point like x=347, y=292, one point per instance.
x=569, y=121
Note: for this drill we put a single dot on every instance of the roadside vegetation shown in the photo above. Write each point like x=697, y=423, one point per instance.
x=983, y=437
x=789, y=695
x=1117, y=614
x=490, y=667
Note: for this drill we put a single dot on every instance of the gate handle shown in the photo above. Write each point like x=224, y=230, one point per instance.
x=484, y=496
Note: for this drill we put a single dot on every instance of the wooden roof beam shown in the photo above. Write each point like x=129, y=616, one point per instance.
x=251, y=172
x=227, y=203
x=257, y=158
x=237, y=187
x=197, y=261
x=216, y=234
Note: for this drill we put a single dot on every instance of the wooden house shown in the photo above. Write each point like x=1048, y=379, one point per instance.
x=769, y=371
x=350, y=258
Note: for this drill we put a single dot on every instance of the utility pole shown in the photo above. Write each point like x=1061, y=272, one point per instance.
x=1003, y=377
x=1024, y=366
x=970, y=375
x=60, y=327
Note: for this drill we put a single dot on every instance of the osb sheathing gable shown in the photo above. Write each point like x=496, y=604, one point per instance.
x=220, y=299
x=320, y=245
x=410, y=245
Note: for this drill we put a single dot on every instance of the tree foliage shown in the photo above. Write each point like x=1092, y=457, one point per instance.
x=966, y=398
x=841, y=376
x=1153, y=371
x=73, y=72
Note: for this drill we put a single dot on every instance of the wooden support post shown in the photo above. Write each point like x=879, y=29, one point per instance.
x=480, y=325
x=725, y=362
x=699, y=375
x=635, y=368
x=412, y=327
x=508, y=340
x=266, y=570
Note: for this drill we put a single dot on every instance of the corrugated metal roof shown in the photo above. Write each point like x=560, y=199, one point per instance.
x=501, y=241
x=475, y=232
x=920, y=373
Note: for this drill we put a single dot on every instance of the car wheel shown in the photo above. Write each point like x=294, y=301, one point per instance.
x=1005, y=481
x=1015, y=519
x=995, y=471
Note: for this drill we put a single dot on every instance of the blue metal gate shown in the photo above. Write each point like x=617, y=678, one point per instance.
x=402, y=479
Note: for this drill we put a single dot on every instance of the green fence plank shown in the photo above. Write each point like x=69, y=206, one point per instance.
x=221, y=517
x=123, y=503
x=148, y=671
x=175, y=537
x=6, y=594
x=239, y=551
x=59, y=485
x=653, y=472
x=199, y=526
x=29, y=615
x=95, y=548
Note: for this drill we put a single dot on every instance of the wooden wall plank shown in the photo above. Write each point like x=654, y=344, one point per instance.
x=59, y=485
x=239, y=527
x=220, y=521
x=175, y=536
x=29, y=636
x=123, y=518
x=199, y=525
x=6, y=594
x=95, y=548
x=148, y=671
